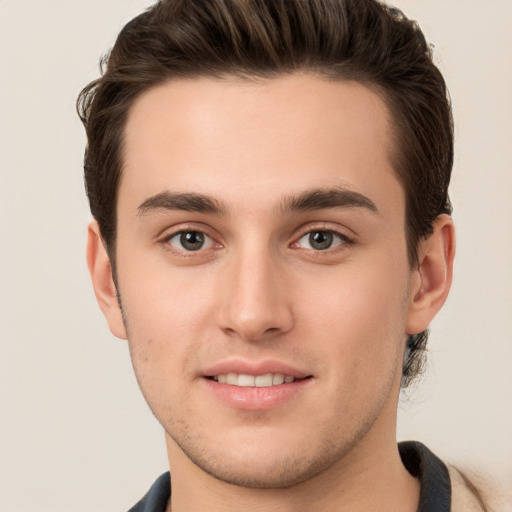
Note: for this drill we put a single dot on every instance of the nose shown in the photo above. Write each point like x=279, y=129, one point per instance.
x=255, y=302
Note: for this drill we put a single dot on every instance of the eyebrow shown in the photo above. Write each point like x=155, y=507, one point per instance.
x=317, y=199
x=320, y=199
x=189, y=202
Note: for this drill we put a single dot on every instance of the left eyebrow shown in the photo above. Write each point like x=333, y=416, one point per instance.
x=320, y=199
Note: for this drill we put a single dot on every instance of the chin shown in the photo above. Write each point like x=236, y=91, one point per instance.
x=266, y=465
x=275, y=473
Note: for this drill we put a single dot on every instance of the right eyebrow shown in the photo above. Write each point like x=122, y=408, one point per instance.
x=189, y=202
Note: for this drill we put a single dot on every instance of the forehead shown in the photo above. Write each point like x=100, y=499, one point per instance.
x=239, y=138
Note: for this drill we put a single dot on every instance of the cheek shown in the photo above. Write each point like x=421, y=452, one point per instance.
x=160, y=296
x=161, y=327
x=360, y=314
x=168, y=317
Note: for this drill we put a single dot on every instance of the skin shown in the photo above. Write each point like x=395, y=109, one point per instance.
x=258, y=290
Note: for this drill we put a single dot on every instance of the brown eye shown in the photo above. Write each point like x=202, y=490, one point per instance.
x=190, y=240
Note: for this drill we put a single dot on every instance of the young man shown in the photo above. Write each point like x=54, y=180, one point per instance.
x=273, y=237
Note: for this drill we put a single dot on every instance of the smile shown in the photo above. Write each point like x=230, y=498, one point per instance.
x=258, y=381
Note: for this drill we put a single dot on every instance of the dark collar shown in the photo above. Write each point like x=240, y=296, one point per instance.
x=435, y=494
x=157, y=497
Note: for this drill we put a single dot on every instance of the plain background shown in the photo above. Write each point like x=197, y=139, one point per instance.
x=75, y=433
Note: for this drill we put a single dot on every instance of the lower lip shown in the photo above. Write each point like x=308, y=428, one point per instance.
x=257, y=399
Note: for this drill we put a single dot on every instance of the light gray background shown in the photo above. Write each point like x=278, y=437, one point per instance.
x=75, y=434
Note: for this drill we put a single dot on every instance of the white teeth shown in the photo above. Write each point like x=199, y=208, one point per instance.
x=232, y=378
x=263, y=381
x=277, y=379
x=246, y=381
x=259, y=381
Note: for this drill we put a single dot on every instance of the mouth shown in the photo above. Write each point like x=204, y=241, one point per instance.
x=266, y=380
x=256, y=386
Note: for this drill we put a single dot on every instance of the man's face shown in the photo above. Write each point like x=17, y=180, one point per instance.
x=261, y=238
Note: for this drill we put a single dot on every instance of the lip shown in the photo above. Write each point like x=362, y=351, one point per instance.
x=254, y=368
x=255, y=398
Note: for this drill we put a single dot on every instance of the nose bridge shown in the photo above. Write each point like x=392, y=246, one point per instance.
x=256, y=305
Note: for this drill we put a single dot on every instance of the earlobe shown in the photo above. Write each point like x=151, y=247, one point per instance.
x=432, y=280
x=102, y=281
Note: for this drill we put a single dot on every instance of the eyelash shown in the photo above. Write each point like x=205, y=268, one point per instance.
x=212, y=243
x=343, y=241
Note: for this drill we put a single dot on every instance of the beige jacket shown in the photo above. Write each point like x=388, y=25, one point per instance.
x=463, y=500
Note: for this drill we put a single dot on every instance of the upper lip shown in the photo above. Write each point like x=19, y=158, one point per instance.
x=246, y=367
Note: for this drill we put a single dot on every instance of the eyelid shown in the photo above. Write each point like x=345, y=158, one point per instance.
x=341, y=240
x=167, y=234
x=336, y=230
x=208, y=242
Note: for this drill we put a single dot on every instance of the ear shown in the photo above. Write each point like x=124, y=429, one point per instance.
x=103, y=282
x=432, y=279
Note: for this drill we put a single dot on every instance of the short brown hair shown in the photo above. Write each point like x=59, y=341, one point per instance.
x=362, y=40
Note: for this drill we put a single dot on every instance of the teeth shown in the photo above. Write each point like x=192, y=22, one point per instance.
x=258, y=381
x=232, y=378
x=263, y=381
x=245, y=381
x=277, y=379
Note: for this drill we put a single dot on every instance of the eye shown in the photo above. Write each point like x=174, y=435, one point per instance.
x=321, y=240
x=190, y=241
